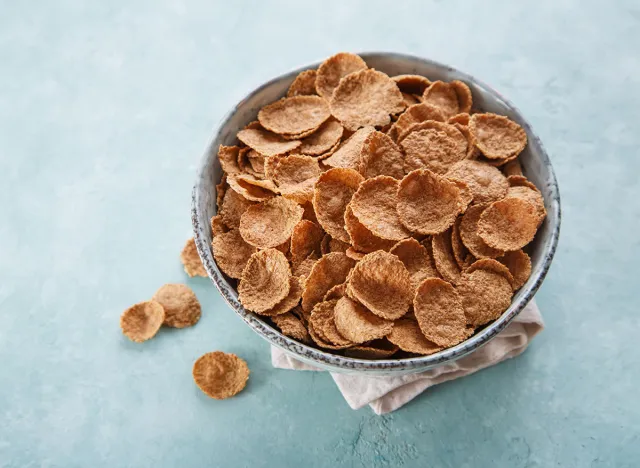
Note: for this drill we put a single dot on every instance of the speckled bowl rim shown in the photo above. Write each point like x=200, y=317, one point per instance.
x=336, y=362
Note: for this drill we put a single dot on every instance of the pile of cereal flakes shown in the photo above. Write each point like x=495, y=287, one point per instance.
x=373, y=215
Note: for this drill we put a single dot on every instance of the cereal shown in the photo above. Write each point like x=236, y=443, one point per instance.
x=296, y=176
x=265, y=280
x=519, y=264
x=191, y=260
x=378, y=205
x=466, y=196
x=221, y=189
x=354, y=322
x=411, y=84
x=406, y=334
x=302, y=268
x=497, y=136
x=256, y=161
x=463, y=93
x=231, y=253
x=333, y=192
x=354, y=254
x=427, y=203
x=292, y=299
x=439, y=313
x=376, y=349
x=374, y=204
x=417, y=259
x=512, y=168
x=323, y=140
x=470, y=237
x=304, y=84
x=443, y=257
x=270, y=223
x=228, y=157
x=220, y=375
x=266, y=143
x=181, y=306
x=218, y=226
x=487, y=184
x=366, y=98
x=141, y=321
x=349, y=155
x=294, y=115
x=252, y=188
x=330, y=270
x=331, y=71
x=309, y=213
x=305, y=239
x=322, y=320
x=362, y=239
x=490, y=264
x=233, y=206
x=415, y=114
x=381, y=156
x=436, y=148
x=485, y=295
x=462, y=119
x=291, y=326
x=270, y=164
x=335, y=245
x=336, y=292
x=409, y=100
x=321, y=341
x=508, y=224
x=472, y=151
x=381, y=283
x=531, y=194
x=460, y=252
x=443, y=96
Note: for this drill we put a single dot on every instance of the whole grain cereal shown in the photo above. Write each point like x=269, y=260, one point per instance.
x=294, y=115
x=332, y=70
x=191, y=260
x=270, y=223
x=508, y=224
x=428, y=203
x=231, y=253
x=519, y=264
x=304, y=84
x=497, y=136
x=439, y=313
x=366, y=98
x=142, y=321
x=374, y=204
x=386, y=218
x=333, y=192
x=382, y=284
x=220, y=375
x=332, y=269
x=181, y=306
x=265, y=280
x=406, y=334
x=354, y=322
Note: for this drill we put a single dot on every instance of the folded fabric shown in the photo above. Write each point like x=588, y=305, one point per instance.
x=386, y=394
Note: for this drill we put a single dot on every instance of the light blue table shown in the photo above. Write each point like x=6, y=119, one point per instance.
x=105, y=108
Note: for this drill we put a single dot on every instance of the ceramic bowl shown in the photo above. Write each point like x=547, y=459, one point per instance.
x=536, y=166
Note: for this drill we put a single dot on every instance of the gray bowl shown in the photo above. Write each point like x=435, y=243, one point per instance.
x=536, y=166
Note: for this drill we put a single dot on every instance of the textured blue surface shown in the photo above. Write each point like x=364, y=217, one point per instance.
x=105, y=108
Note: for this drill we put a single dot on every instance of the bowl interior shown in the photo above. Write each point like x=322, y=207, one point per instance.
x=534, y=160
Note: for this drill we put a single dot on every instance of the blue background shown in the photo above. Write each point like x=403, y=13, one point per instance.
x=105, y=109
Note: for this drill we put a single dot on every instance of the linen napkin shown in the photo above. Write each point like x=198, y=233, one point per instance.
x=386, y=394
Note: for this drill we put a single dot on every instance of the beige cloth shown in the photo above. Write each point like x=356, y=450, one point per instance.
x=386, y=394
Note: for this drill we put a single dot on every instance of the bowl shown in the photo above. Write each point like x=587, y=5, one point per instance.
x=534, y=160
